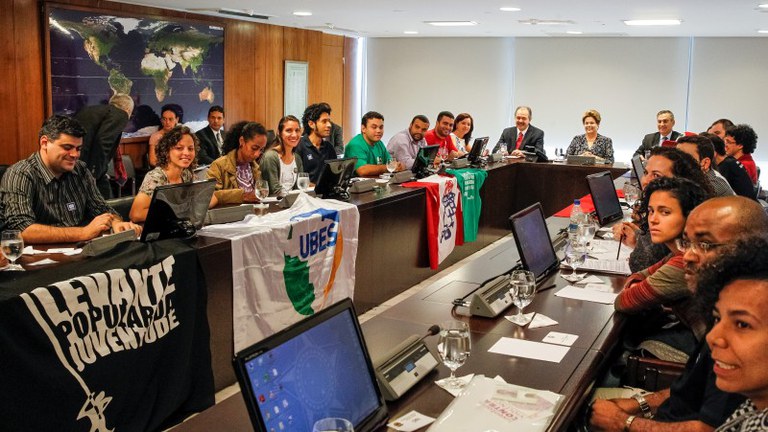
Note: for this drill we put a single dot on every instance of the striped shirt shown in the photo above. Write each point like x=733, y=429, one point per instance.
x=30, y=193
x=719, y=184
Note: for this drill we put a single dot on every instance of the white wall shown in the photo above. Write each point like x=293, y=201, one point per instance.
x=626, y=79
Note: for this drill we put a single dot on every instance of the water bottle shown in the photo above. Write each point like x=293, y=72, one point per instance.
x=577, y=216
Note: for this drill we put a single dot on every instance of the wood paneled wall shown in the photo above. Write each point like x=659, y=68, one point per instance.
x=254, y=59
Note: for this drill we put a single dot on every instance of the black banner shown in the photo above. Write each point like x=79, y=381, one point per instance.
x=117, y=343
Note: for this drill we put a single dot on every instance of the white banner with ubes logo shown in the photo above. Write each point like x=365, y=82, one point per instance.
x=289, y=265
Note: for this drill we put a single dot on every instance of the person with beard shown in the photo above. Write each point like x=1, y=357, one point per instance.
x=405, y=144
x=367, y=147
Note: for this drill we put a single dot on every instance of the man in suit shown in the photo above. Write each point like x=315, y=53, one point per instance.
x=522, y=137
x=665, y=121
x=103, y=126
x=211, y=137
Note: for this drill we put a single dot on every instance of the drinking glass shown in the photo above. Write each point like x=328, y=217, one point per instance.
x=575, y=254
x=631, y=194
x=12, y=246
x=523, y=289
x=302, y=181
x=442, y=152
x=454, y=347
x=391, y=165
x=333, y=424
x=587, y=231
x=261, y=188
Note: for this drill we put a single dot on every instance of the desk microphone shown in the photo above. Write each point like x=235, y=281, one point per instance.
x=405, y=365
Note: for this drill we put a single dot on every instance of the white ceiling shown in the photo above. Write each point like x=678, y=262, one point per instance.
x=390, y=18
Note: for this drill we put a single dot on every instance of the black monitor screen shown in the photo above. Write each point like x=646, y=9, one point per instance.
x=424, y=159
x=638, y=167
x=533, y=242
x=334, y=177
x=604, y=196
x=477, y=149
x=177, y=210
x=316, y=368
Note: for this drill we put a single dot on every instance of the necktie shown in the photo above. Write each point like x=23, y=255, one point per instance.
x=218, y=139
x=664, y=138
x=519, y=140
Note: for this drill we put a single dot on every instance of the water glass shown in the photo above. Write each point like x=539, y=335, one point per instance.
x=522, y=285
x=261, y=188
x=575, y=254
x=12, y=245
x=302, y=181
x=454, y=347
x=631, y=194
x=586, y=232
x=333, y=424
x=391, y=165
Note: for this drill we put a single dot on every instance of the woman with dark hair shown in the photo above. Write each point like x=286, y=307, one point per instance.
x=665, y=207
x=463, y=126
x=170, y=116
x=236, y=172
x=176, y=158
x=280, y=166
x=663, y=162
x=591, y=143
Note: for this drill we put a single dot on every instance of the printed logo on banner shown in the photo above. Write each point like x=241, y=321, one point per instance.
x=449, y=212
x=311, y=240
x=91, y=317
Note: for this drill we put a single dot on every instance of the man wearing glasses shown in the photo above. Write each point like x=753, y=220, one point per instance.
x=693, y=403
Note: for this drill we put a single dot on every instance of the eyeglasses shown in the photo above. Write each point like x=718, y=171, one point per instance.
x=696, y=247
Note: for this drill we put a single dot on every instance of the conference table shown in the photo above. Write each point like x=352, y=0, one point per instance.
x=393, y=256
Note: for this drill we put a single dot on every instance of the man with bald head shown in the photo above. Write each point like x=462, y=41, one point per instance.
x=693, y=403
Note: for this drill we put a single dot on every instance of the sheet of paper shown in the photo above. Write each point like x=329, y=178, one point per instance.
x=270, y=200
x=598, y=287
x=43, y=262
x=455, y=392
x=541, y=320
x=527, y=349
x=29, y=250
x=65, y=251
x=620, y=267
x=576, y=293
x=410, y=422
x=528, y=317
x=606, y=250
x=591, y=279
x=560, y=338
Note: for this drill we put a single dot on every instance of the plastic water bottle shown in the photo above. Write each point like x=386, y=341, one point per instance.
x=577, y=216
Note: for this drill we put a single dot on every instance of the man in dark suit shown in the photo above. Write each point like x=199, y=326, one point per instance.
x=211, y=137
x=522, y=137
x=665, y=121
x=103, y=126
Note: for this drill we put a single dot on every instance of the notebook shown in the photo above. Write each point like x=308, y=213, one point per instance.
x=533, y=242
x=316, y=368
x=607, y=206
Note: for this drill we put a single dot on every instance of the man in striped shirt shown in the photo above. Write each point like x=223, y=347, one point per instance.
x=51, y=197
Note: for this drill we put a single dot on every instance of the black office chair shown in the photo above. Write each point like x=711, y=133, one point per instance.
x=122, y=206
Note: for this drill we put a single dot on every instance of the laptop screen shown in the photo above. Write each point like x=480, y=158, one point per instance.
x=604, y=196
x=315, y=369
x=533, y=242
x=177, y=210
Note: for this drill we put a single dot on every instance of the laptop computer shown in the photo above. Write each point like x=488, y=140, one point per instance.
x=533, y=242
x=607, y=206
x=316, y=368
x=638, y=167
x=177, y=210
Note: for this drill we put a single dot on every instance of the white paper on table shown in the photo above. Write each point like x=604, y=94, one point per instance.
x=43, y=262
x=268, y=200
x=598, y=287
x=541, y=320
x=575, y=293
x=527, y=349
x=29, y=250
x=560, y=338
x=455, y=392
x=410, y=422
x=606, y=249
x=65, y=251
x=591, y=279
x=528, y=317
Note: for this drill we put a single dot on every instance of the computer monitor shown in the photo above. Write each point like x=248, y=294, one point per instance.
x=316, y=368
x=607, y=206
x=638, y=167
x=476, y=152
x=533, y=242
x=333, y=181
x=425, y=158
x=177, y=210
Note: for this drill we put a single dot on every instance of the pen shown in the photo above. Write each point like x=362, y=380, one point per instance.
x=546, y=288
x=621, y=239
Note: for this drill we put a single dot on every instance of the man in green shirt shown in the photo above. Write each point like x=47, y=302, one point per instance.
x=367, y=147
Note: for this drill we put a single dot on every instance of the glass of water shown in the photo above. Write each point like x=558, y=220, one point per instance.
x=631, y=193
x=586, y=232
x=333, y=424
x=261, y=188
x=522, y=285
x=454, y=347
x=302, y=181
x=575, y=254
x=12, y=246
x=391, y=165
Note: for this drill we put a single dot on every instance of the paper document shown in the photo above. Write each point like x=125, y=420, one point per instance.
x=527, y=349
x=620, y=267
x=575, y=293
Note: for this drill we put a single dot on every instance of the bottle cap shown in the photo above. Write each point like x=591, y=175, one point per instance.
x=577, y=202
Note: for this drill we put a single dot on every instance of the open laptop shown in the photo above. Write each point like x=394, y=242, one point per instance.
x=533, y=242
x=607, y=206
x=638, y=167
x=177, y=210
x=316, y=368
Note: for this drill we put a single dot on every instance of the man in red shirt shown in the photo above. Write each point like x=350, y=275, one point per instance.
x=441, y=135
x=740, y=142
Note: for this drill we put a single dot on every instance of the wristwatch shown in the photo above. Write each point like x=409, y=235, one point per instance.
x=645, y=409
x=628, y=423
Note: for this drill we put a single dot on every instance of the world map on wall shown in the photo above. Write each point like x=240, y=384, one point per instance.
x=95, y=56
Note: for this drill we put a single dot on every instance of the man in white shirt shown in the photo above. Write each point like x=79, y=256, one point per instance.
x=405, y=144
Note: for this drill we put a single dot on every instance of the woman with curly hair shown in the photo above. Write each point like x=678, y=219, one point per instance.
x=176, y=158
x=665, y=207
x=237, y=171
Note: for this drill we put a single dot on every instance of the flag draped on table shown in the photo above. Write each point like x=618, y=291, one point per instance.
x=290, y=264
x=118, y=342
x=470, y=182
x=445, y=227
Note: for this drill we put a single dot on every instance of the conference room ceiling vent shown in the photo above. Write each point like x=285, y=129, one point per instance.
x=535, y=21
x=242, y=13
x=585, y=34
x=331, y=28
